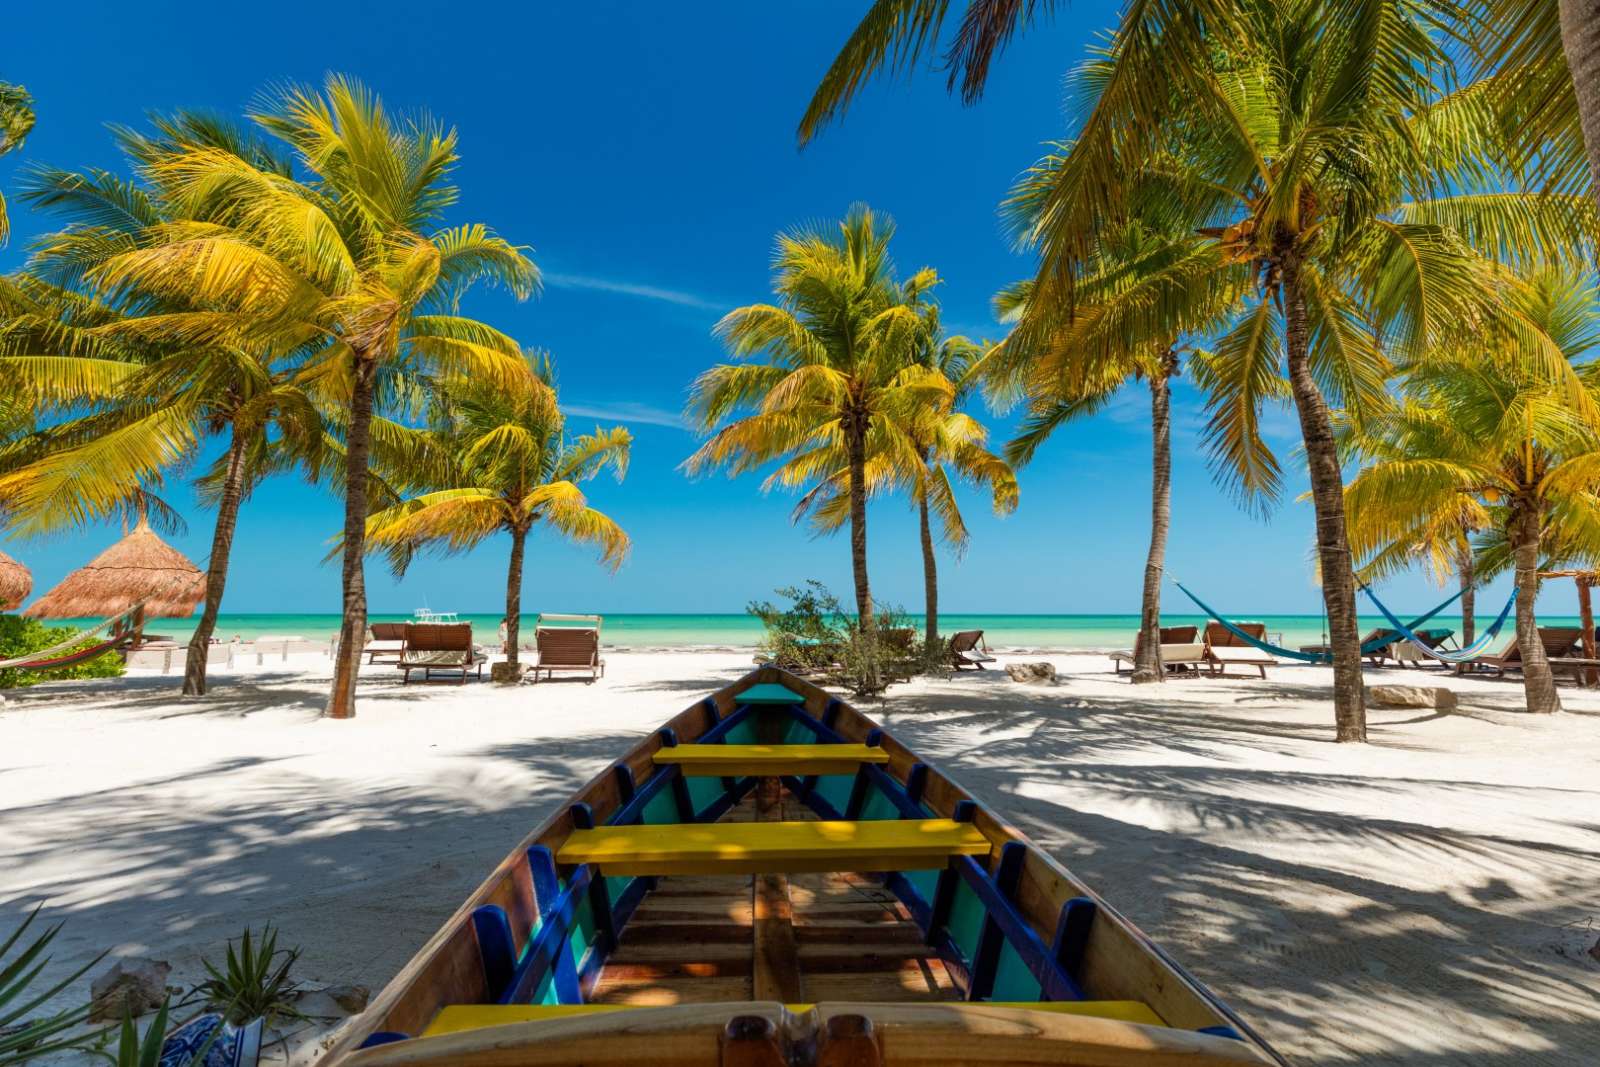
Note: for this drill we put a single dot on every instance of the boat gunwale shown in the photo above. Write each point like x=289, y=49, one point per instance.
x=447, y=965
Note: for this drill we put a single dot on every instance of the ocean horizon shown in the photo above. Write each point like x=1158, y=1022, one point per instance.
x=1005, y=632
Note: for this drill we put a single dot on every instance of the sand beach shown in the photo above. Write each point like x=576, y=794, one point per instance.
x=1425, y=899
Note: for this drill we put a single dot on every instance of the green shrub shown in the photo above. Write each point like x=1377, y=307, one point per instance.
x=25, y=1035
x=20, y=636
x=254, y=983
x=815, y=635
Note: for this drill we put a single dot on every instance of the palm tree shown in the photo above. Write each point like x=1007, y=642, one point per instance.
x=946, y=444
x=1140, y=296
x=352, y=258
x=839, y=350
x=495, y=461
x=1501, y=440
x=16, y=122
x=1327, y=186
x=159, y=398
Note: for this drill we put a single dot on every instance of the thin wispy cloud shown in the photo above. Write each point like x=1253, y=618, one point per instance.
x=628, y=411
x=626, y=288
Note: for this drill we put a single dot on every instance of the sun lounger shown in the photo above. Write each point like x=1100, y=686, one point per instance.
x=386, y=639
x=1181, y=649
x=1560, y=642
x=574, y=646
x=1226, y=649
x=968, y=650
x=440, y=647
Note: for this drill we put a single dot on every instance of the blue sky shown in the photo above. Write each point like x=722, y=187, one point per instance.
x=646, y=152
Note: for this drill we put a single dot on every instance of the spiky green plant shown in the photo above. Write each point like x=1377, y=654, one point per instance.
x=134, y=1049
x=22, y=1039
x=254, y=982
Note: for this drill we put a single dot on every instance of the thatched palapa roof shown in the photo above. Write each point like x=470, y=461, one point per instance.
x=15, y=583
x=141, y=566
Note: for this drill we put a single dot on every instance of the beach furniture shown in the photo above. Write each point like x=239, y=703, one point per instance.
x=772, y=880
x=1561, y=643
x=1181, y=650
x=1405, y=652
x=443, y=648
x=386, y=639
x=1225, y=649
x=967, y=649
x=567, y=643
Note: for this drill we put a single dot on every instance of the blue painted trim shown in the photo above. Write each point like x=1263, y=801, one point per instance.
x=713, y=713
x=549, y=951
x=632, y=811
x=720, y=730
x=917, y=782
x=497, y=949
x=1054, y=982
x=628, y=900
x=599, y=893
x=680, y=785
x=901, y=886
x=1072, y=935
x=986, y=958
x=813, y=800
x=893, y=792
x=625, y=783
x=723, y=804
x=858, y=794
x=830, y=714
x=383, y=1037
x=1220, y=1031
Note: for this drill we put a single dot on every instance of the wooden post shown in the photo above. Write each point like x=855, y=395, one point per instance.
x=1586, y=617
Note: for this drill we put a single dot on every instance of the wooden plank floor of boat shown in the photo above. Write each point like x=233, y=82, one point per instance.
x=798, y=938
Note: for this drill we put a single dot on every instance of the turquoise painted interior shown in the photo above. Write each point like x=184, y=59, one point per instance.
x=1013, y=981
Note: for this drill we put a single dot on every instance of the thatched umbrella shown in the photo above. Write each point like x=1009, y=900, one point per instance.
x=141, y=566
x=15, y=583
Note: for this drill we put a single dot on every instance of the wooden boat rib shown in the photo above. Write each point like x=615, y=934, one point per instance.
x=772, y=880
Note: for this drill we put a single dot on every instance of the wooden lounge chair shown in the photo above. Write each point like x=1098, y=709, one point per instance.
x=388, y=639
x=1181, y=649
x=1560, y=642
x=1225, y=649
x=567, y=647
x=968, y=650
x=440, y=647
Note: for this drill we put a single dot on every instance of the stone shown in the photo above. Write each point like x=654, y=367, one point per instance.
x=1412, y=696
x=1031, y=672
x=507, y=673
x=128, y=987
x=352, y=998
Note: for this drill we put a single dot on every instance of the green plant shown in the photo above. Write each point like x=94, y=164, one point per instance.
x=136, y=1051
x=255, y=983
x=815, y=635
x=22, y=1041
x=20, y=636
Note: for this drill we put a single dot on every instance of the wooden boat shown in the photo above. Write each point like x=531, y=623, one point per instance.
x=772, y=880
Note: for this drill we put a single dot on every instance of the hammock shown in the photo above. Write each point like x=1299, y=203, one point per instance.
x=53, y=657
x=1465, y=655
x=1368, y=648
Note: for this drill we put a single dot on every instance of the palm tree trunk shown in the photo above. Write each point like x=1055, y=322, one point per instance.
x=1538, y=683
x=1327, y=498
x=353, y=629
x=930, y=579
x=1466, y=567
x=519, y=542
x=857, y=446
x=194, y=667
x=1580, y=39
x=1148, y=667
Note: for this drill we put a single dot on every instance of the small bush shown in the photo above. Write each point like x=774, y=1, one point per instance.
x=815, y=635
x=254, y=983
x=20, y=636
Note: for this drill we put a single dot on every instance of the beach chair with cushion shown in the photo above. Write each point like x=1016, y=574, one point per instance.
x=385, y=639
x=567, y=643
x=1560, y=642
x=968, y=650
x=1225, y=649
x=1181, y=650
x=443, y=648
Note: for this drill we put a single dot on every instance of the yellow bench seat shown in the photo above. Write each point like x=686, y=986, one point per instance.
x=773, y=847
x=457, y=1018
x=722, y=761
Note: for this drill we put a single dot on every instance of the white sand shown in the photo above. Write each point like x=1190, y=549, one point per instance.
x=1423, y=900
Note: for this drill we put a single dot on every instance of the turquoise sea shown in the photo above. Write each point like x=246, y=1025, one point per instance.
x=1042, y=632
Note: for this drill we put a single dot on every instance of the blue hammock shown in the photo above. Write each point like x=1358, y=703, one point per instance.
x=1465, y=655
x=1378, y=643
